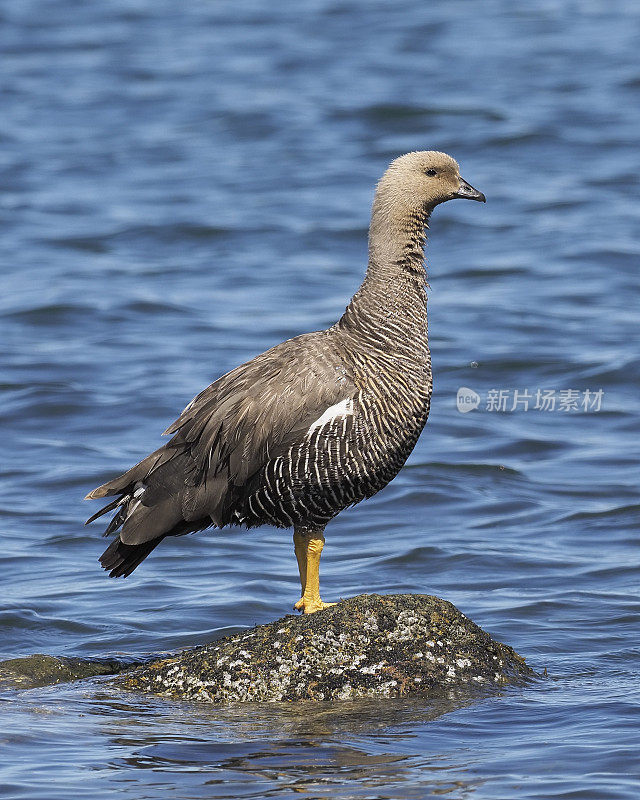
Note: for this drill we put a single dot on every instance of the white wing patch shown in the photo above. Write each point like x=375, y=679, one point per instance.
x=342, y=409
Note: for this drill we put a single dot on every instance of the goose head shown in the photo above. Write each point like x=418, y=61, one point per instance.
x=417, y=182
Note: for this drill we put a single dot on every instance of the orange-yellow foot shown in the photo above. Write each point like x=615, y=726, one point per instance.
x=311, y=605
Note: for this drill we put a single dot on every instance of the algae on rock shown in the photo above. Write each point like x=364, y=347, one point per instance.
x=367, y=646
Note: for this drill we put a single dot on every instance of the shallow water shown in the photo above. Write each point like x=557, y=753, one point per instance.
x=186, y=185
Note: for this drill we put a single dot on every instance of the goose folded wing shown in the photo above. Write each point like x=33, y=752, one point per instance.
x=232, y=428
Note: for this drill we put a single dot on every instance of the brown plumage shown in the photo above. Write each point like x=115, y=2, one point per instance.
x=314, y=425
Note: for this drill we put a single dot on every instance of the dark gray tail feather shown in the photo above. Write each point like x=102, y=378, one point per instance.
x=148, y=507
x=121, y=559
x=122, y=505
x=139, y=472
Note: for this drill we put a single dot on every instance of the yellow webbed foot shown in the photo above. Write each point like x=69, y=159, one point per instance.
x=310, y=605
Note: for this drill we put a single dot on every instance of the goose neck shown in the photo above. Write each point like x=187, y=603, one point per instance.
x=390, y=306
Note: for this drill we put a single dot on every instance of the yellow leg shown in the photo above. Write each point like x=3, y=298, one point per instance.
x=308, y=548
x=300, y=548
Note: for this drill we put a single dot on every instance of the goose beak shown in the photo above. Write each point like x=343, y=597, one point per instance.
x=467, y=192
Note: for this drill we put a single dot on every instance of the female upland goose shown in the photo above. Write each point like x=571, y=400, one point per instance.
x=314, y=425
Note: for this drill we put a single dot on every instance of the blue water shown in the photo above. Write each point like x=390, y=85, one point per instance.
x=185, y=185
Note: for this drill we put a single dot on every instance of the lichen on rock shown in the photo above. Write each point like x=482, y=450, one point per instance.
x=367, y=646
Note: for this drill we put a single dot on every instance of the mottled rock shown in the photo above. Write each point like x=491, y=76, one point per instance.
x=368, y=646
x=42, y=670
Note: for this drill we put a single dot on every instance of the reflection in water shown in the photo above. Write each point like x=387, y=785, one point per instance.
x=318, y=748
x=348, y=749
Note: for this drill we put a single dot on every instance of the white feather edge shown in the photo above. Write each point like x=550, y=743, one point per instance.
x=342, y=409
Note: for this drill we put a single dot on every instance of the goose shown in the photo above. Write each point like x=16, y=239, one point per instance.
x=313, y=425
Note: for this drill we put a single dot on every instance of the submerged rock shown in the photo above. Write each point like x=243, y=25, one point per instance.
x=42, y=670
x=367, y=646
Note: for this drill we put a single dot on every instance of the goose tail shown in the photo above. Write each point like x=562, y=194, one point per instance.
x=121, y=559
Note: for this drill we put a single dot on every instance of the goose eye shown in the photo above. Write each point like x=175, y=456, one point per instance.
x=431, y=173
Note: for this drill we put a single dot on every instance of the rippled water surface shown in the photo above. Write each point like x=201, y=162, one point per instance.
x=185, y=185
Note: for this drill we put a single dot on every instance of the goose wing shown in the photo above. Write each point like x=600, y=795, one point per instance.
x=224, y=436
